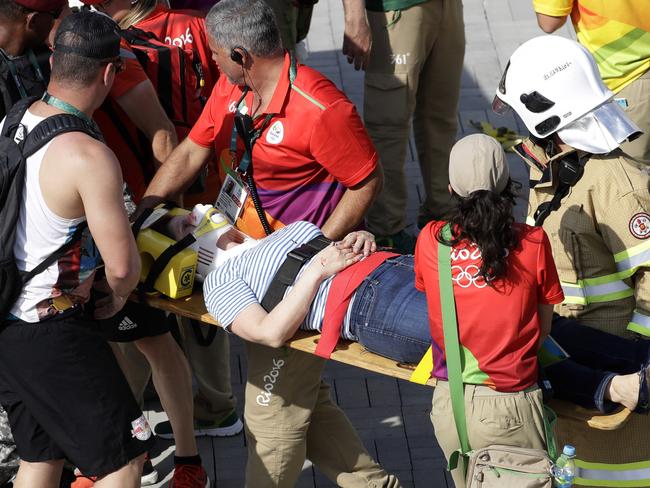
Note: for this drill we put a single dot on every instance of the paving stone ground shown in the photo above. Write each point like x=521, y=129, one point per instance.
x=391, y=416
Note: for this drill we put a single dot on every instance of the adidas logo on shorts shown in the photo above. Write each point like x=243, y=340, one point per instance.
x=126, y=324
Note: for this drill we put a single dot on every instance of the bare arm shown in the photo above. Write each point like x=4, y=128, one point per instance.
x=545, y=319
x=275, y=328
x=353, y=206
x=99, y=185
x=142, y=106
x=357, y=38
x=179, y=171
x=550, y=24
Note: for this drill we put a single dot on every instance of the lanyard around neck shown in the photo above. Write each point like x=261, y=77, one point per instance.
x=66, y=107
x=14, y=72
x=254, y=135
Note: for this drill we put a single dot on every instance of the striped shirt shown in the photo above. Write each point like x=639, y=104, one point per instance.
x=244, y=280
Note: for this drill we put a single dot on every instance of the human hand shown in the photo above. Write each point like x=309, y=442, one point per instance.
x=334, y=258
x=179, y=226
x=360, y=241
x=357, y=40
x=107, y=303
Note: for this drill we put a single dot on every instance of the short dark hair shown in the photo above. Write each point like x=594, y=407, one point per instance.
x=74, y=69
x=84, y=43
x=12, y=11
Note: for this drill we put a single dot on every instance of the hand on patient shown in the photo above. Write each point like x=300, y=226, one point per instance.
x=360, y=241
x=334, y=258
x=339, y=255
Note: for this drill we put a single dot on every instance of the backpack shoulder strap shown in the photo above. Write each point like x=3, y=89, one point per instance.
x=52, y=258
x=15, y=115
x=53, y=126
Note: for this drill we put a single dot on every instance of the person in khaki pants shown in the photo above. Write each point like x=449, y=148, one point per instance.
x=290, y=416
x=493, y=417
x=504, y=285
x=413, y=71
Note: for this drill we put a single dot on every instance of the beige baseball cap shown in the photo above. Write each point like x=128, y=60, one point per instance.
x=477, y=162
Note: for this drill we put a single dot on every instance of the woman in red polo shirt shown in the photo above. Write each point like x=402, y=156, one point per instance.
x=505, y=285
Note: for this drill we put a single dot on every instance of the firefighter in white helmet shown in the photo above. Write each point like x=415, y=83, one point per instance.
x=592, y=200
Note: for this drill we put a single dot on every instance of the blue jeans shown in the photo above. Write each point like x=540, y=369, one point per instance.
x=389, y=316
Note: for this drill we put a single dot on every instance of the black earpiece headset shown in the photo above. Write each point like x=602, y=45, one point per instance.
x=237, y=56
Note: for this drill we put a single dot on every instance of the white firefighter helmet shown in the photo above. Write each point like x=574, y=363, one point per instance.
x=552, y=82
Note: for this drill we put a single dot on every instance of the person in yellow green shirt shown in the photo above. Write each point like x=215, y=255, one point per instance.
x=618, y=36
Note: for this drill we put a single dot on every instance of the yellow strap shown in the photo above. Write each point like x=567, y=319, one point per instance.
x=424, y=368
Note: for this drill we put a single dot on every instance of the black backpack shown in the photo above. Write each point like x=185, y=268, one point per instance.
x=12, y=181
x=22, y=77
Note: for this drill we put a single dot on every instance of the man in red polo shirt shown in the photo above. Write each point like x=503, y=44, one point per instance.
x=311, y=160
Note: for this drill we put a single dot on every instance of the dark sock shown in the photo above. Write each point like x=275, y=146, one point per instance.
x=193, y=460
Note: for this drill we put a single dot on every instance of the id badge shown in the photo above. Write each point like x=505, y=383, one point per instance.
x=232, y=197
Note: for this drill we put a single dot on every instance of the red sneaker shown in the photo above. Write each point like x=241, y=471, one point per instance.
x=189, y=476
x=84, y=481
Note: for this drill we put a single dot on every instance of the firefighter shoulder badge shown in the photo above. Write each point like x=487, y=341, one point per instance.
x=640, y=225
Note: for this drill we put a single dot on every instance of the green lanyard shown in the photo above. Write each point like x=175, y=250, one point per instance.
x=247, y=158
x=14, y=73
x=66, y=107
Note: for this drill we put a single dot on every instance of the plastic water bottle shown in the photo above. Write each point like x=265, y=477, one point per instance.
x=565, y=468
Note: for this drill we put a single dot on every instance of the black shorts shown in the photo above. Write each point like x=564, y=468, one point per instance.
x=66, y=396
x=135, y=322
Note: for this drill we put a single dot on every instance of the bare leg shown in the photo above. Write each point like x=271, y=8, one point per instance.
x=128, y=476
x=624, y=389
x=44, y=474
x=172, y=379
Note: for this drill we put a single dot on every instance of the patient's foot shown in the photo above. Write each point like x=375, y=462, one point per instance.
x=625, y=389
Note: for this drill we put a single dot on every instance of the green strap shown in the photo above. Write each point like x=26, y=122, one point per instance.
x=452, y=345
x=549, y=416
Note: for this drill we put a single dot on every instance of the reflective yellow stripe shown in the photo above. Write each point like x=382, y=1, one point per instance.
x=424, y=368
x=614, y=475
x=630, y=260
x=640, y=323
x=595, y=290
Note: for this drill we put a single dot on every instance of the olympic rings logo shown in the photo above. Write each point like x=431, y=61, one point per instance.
x=465, y=277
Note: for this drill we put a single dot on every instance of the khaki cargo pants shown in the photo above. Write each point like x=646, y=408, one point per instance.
x=414, y=71
x=510, y=419
x=290, y=416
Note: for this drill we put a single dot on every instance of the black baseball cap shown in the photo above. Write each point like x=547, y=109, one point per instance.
x=88, y=34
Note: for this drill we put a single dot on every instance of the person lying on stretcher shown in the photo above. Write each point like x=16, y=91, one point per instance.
x=387, y=314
